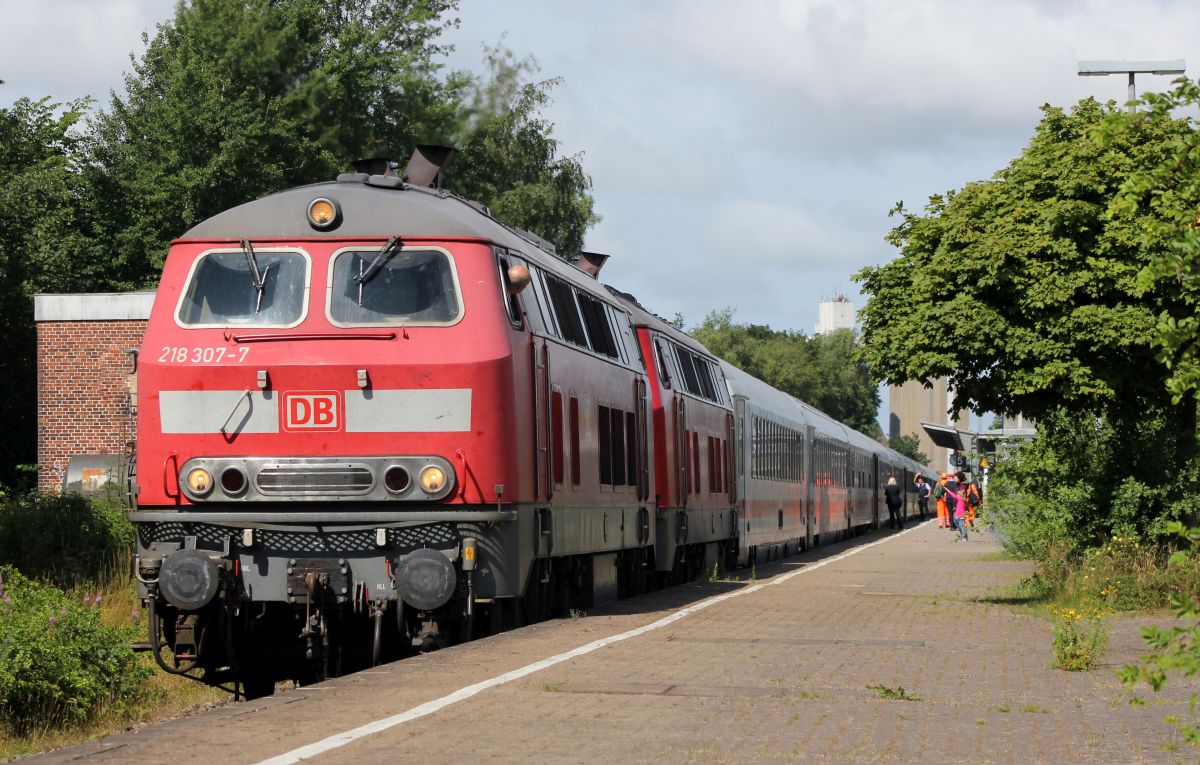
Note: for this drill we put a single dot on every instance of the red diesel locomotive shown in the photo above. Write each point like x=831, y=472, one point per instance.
x=372, y=419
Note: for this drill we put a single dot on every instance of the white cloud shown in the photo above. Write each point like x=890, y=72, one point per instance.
x=68, y=49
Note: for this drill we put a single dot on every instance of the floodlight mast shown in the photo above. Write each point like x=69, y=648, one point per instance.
x=1131, y=67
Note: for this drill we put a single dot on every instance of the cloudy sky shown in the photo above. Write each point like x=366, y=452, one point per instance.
x=743, y=154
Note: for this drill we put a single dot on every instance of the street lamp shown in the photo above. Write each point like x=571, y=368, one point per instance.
x=1131, y=67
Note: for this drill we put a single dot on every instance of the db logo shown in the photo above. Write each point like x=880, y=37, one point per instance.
x=312, y=410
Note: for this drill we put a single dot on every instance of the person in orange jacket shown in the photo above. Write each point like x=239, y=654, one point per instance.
x=939, y=495
x=974, y=500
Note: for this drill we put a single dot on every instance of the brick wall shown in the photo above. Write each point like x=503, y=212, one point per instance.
x=85, y=402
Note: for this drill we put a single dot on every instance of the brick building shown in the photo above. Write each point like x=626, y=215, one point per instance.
x=85, y=349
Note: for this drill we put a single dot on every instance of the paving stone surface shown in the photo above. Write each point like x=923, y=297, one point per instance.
x=905, y=651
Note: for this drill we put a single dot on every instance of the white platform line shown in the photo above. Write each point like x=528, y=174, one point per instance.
x=429, y=707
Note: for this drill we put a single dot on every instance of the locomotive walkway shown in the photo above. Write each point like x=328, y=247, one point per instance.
x=796, y=666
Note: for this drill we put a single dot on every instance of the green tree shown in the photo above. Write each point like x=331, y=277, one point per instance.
x=843, y=385
x=510, y=160
x=909, y=446
x=1023, y=291
x=821, y=371
x=232, y=101
x=45, y=217
x=1165, y=199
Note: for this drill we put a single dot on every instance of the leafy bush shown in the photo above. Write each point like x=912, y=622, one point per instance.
x=67, y=539
x=1174, y=651
x=1085, y=478
x=58, y=664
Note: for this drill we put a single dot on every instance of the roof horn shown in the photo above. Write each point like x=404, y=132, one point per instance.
x=426, y=165
x=373, y=166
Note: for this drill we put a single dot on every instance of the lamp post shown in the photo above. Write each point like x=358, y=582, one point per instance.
x=1131, y=68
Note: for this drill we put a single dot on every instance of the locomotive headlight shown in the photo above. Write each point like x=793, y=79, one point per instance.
x=433, y=479
x=199, y=481
x=323, y=213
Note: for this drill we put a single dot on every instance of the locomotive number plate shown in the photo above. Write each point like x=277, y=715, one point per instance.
x=181, y=354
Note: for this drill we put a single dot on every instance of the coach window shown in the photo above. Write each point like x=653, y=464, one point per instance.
x=232, y=287
x=556, y=434
x=664, y=372
x=604, y=431
x=619, y=322
x=684, y=359
x=704, y=373
x=632, y=450
x=541, y=299
x=617, y=424
x=573, y=422
x=512, y=302
x=595, y=318
x=562, y=297
x=406, y=286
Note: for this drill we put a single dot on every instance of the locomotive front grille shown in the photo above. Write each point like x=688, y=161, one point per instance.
x=334, y=480
x=315, y=479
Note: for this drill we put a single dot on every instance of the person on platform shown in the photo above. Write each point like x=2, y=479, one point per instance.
x=959, y=495
x=974, y=500
x=923, y=490
x=893, y=500
x=951, y=490
x=940, y=499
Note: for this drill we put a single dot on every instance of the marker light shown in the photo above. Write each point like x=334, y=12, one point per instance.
x=518, y=279
x=323, y=213
x=433, y=479
x=199, y=481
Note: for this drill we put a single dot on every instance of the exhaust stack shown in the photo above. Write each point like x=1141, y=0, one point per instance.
x=591, y=263
x=426, y=165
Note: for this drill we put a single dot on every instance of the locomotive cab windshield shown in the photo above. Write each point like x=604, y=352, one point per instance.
x=225, y=287
x=409, y=286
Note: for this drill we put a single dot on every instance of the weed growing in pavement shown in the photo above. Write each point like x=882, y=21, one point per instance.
x=716, y=573
x=980, y=721
x=1005, y=708
x=577, y=614
x=550, y=687
x=805, y=695
x=893, y=694
x=1033, y=709
x=1078, y=646
x=753, y=572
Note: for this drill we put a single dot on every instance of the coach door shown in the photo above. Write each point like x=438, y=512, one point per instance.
x=541, y=414
x=641, y=404
x=683, y=458
x=810, y=516
x=876, y=512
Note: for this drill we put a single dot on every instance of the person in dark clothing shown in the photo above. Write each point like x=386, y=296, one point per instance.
x=893, y=500
x=923, y=489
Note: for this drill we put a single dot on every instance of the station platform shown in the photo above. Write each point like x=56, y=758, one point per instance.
x=893, y=647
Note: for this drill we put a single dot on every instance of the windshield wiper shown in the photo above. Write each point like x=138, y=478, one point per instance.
x=381, y=257
x=257, y=278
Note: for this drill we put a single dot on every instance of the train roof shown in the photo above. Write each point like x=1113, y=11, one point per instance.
x=379, y=207
x=371, y=207
x=643, y=317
